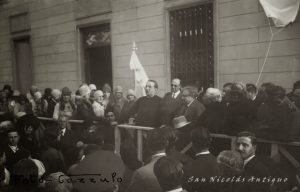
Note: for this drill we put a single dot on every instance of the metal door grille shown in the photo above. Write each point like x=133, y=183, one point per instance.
x=191, y=45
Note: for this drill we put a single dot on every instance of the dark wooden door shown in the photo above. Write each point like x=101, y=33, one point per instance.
x=97, y=54
x=23, y=66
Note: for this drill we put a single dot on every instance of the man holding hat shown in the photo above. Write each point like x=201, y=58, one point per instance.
x=192, y=108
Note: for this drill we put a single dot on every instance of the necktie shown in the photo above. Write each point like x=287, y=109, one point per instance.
x=173, y=95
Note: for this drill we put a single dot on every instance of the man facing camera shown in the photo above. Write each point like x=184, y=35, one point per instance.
x=147, y=108
x=253, y=167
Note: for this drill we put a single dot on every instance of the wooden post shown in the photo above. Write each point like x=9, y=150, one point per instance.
x=289, y=157
x=233, y=143
x=117, y=139
x=140, y=145
x=275, y=152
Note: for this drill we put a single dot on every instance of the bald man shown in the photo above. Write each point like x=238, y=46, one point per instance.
x=171, y=102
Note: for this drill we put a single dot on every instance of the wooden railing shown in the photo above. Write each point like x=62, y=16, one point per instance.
x=277, y=148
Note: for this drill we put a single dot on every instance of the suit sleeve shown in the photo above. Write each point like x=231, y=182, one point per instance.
x=136, y=183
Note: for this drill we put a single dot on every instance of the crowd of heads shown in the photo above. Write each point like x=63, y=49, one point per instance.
x=20, y=127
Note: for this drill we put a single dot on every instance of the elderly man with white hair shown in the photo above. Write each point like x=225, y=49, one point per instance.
x=214, y=116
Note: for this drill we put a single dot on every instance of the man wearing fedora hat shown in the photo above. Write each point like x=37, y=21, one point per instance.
x=183, y=129
x=171, y=102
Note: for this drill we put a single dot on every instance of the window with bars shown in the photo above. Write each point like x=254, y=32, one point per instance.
x=191, y=45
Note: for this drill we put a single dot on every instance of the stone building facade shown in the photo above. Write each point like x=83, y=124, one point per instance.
x=56, y=43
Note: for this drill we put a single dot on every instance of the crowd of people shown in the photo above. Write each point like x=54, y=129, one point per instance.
x=40, y=155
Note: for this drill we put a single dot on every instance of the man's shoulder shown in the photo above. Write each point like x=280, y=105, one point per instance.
x=7, y=148
x=155, y=97
x=168, y=94
x=256, y=167
x=197, y=104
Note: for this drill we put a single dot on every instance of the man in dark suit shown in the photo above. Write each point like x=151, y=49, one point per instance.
x=197, y=173
x=147, y=108
x=67, y=141
x=144, y=179
x=253, y=167
x=168, y=172
x=192, y=108
x=171, y=102
x=13, y=151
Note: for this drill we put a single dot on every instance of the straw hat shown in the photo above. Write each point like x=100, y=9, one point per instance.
x=84, y=90
x=93, y=87
x=180, y=122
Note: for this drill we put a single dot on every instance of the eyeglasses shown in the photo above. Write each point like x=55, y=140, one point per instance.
x=172, y=85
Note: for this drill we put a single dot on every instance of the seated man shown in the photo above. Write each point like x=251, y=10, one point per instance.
x=13, y=151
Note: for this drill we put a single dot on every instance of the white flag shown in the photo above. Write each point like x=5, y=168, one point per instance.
x=140, y=76
x=282, y=12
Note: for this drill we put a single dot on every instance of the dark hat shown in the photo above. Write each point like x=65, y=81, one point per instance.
x=106, y=88
x=66, y=91
x=101, y=171
x=28, y=120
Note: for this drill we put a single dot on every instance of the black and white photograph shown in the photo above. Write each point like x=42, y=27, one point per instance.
x=149, y=96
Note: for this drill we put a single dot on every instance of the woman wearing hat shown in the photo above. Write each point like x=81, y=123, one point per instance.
x=22, y=106
x=65, y=107
x=107, y=94
x=130, y=100
x=117, y=102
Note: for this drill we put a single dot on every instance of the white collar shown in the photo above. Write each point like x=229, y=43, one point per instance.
x=190, y=103
x=176, y=190
x=203, y=153
x=248, y=159
x=63, y=131
x=159, y=154
x=14, y=148
x=175, y=94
